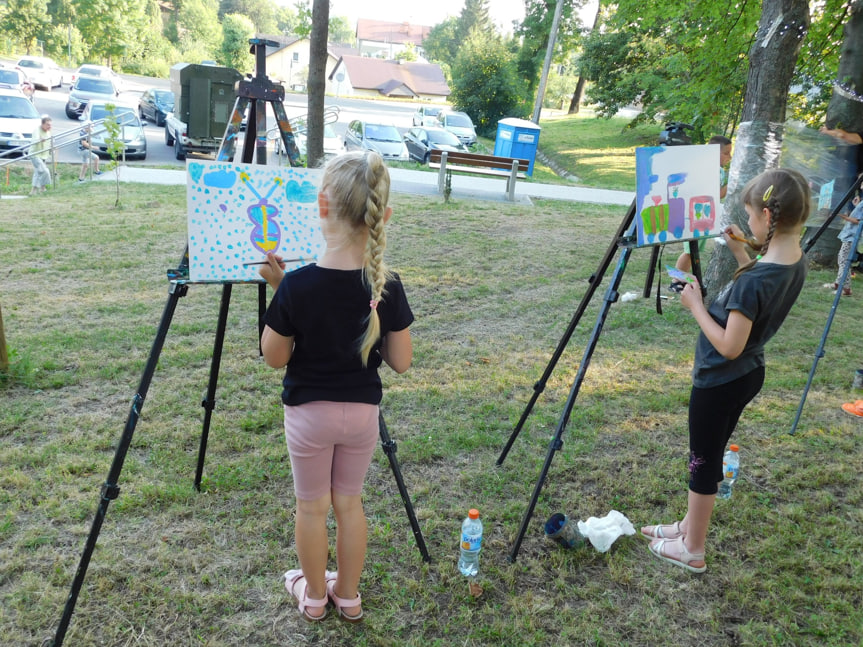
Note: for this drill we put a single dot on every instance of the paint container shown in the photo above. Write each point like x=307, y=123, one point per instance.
x=858, y=379
x=561, y=530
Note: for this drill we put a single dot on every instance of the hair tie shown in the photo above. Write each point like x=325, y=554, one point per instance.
x=768, y=193
x=373, y=304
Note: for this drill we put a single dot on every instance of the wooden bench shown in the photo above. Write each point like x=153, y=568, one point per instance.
x=511, y=168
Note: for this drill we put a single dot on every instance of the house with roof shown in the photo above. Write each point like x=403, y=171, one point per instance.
x=381, y=39
x=289, y=62
x=359, y=76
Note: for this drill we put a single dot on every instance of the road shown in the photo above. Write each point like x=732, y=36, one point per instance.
x=53, y=103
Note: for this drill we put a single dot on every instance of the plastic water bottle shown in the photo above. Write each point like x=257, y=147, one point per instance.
x=730, y=470
x=471, y=544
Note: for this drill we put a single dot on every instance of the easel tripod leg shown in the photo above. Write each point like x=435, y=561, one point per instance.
x=209, y=401
x=389, y=447
x=110, y=489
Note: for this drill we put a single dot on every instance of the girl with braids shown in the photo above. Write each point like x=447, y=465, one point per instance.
x=331, y=324
x=729, y=354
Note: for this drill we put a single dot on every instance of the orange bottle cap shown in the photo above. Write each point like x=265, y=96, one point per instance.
x=473, y=513
x=734, y=448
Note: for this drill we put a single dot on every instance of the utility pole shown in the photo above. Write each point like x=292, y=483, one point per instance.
x=552, y=37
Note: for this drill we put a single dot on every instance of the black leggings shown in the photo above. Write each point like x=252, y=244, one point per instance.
x=713, y=414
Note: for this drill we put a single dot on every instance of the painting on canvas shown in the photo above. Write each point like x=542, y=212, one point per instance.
x=677, y=193
x=239, y=212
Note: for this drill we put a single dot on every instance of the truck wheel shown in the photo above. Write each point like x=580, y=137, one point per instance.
x=169, y=140
x=179, y=152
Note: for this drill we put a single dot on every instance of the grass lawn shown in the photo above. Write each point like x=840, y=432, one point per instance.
x=493, y=287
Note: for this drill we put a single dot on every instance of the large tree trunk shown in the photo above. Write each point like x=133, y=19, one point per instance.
x=317, y=82
x=772, y=58
x=575, y=102
x=845, y=110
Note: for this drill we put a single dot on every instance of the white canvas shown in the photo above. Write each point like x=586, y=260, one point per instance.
x=677, y=193
x=238, y=212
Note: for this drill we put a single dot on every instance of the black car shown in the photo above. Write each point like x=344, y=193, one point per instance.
x=155, y=104
x=422, y=141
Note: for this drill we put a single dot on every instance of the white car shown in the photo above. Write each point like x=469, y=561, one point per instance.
x=42, y=71
x=18, y=120
x=103, y=71
x=333, y=144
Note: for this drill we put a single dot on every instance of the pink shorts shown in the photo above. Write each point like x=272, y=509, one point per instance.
x=331, y=446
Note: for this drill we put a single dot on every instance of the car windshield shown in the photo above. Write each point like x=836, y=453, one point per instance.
x=164, y=96
x=381, y=133
x=102, y=86
x=459, y=121
x=432, y=112
x=17, y=108
x=9, y=76
x=443, y=137
x=89, y=69
x=29, y=63
x=123, y=114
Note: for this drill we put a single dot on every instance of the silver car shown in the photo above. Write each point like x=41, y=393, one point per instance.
x=459, y=124
x=131, y=129
x=89, y=88
x=379, y=137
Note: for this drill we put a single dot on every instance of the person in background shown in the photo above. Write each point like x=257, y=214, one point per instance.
x=728, y=371
x=331, y=325
x=39, y=151
x=87, y=155
x=684, y=262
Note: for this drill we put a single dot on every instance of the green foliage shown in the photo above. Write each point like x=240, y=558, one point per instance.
x=25, y=21
x=262, y=13
x=534, y=32
x=114, y=142
x=441, y=45
x=237, y=30
x=303, y=27
x=485, y=84
x=408, y=54
x=341, y=30
x=112, y=28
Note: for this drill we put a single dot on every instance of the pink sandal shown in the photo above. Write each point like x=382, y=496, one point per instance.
x=304, y=602
x=684, y=558
x=660, y=532
x=341, y=603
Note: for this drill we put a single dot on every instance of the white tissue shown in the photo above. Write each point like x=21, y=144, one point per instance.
x=603, y=532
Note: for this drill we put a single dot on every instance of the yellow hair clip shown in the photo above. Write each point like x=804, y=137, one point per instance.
x=768, y=193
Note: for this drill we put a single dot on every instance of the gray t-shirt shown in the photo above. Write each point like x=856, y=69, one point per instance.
x=763, y=295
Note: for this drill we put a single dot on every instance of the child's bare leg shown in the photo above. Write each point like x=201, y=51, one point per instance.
x=351, y=537
x=313, y=546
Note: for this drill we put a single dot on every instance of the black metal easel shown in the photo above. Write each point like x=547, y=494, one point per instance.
x=807, y=245
x=253, y=94
x=625, y=241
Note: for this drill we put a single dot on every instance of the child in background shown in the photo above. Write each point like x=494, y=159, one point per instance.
x=847, y=238
x=684, y=262
x=729, y=355
x=332, y=324
x=87, y=155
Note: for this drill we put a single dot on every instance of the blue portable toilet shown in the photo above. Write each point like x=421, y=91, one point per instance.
x=517, y=138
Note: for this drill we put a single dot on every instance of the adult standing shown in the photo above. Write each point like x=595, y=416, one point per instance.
x=39, y=151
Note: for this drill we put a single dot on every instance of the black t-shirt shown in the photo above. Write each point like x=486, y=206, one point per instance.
x=764, y=295
x=325, y=311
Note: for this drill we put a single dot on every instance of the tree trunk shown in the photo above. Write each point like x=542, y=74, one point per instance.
x=575, y=102
x=317, y=82
x=845, y=110
x=758, y=144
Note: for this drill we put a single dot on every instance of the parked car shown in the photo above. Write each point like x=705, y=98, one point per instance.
x=459, y=124
x=19, y=119
x=380, y=137
x=155, y=104
x=12, y=78
x=426, y=116
x=89, y=88
x=131, y=129
x=333, y=144
x=42, y=71
x=422, y=141
x=102, y=71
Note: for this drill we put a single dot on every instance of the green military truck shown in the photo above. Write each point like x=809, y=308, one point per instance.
x=204, y=97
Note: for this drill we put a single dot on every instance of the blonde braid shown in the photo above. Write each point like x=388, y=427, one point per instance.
x=375, y=272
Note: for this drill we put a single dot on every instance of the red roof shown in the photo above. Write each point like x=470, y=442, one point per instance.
x=391, y=32
x=385, y=76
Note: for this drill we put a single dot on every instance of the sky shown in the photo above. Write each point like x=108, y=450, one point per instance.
x=428, y=12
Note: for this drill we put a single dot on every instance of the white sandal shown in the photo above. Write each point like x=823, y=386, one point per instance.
x=304, y=602
x=684, y=560
x=657, y=532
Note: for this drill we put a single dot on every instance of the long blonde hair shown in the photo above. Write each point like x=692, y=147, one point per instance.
x=358, y=187
x=785, y=193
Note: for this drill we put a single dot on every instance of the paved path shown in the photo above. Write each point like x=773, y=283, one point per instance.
x=423, y=182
